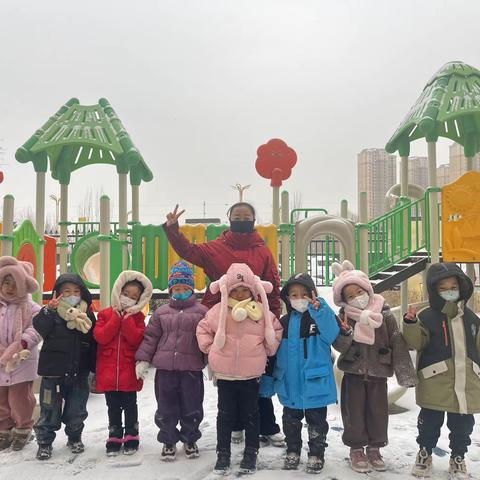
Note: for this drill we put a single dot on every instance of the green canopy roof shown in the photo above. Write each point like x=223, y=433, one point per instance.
x=449, y=106
x=77, y=136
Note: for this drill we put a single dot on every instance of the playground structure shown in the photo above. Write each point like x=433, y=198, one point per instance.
x=391, y=248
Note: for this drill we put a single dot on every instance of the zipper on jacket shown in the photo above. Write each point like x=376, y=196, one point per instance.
x=445, y=336
x=118, y=358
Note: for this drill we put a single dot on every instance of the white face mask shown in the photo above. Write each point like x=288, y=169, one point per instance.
x=360, y=302
x=72, y=300
x=127, y=302
x=450, y=295
x=300, y=305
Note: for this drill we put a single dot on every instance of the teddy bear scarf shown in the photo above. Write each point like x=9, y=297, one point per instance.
x=76, y=317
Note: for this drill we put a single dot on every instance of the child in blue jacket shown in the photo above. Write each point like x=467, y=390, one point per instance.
x=303, y=374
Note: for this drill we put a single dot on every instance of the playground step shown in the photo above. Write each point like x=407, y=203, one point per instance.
x=398, y=273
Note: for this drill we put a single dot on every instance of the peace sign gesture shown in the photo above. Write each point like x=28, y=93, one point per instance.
x=54, y=302
x=411, y=313
x=173, y=217
x=313, y=300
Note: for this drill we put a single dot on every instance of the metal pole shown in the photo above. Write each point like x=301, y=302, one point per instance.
x=285, y=238
x=40, y=225
x=363, y=218
x=471, y=266
x=136, y=203
x=104, y=239
x=433, y=202
x=63, y=227
x=122, y=216
x=404, y=193
x=7, y=235
x=276, y=206
x=343, y=214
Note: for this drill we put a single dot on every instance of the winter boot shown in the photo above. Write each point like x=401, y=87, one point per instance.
x=191, y=450
x=291, y=461
x=237, y=437
x=249, y=460
x=168, y=452
x=131, y=440
x=375, y=459
x=458, y=469
x=275, y=440
x=114, y=441
x=20, y=437
x=423, y=464
x=222, y=467
x=5, y=439
x=130, y=444
x=358, y=460
x=315, y=463
x=44, y=452
x=76, y=445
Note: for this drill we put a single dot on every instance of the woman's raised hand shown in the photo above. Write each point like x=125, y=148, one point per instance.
x=173, y=217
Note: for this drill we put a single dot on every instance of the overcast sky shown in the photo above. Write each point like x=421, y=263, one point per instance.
x=200, y=84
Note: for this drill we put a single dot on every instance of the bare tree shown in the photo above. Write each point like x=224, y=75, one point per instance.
x=85, y=208
x=297, y=203
x=25, y=213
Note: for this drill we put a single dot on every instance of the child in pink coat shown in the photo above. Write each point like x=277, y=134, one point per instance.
x=18, y=352
x=238, y=334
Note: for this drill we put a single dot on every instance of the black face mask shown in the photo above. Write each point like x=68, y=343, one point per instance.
x=242, y=226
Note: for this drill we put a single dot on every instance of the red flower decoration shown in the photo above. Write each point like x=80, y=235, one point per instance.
x=275, y=160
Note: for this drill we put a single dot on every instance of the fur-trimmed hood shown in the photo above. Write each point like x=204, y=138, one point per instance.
x=128, y=276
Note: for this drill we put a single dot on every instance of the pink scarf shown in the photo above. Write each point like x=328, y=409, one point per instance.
x=367, y=320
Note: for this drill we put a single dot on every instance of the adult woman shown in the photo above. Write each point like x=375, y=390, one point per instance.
x=240, y=244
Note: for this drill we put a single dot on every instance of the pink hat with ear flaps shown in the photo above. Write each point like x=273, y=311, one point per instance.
x=345, y=274
x=240, y=275
x=22, y=273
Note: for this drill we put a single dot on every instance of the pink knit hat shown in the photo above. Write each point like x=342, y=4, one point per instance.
x=345, y=274
x=240, y=275
x=22, y=273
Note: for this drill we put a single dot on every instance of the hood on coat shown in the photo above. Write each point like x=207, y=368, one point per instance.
x=242, y=241
x=300, y=279
x=128, y=276
x=22, y=273
x=439, y=271
x=77, y=280
x=240, y=274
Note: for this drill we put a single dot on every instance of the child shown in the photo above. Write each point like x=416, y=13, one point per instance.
x=18, y=352
x=303, y=373
x=66, y=359
x=372, y=349
x=447, y=337
x=237, y=334
x=119, y=332
x=170, y=344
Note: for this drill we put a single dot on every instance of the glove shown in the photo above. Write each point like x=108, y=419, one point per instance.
x=141, y=370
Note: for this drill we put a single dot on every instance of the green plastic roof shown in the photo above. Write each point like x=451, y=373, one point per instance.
x=449, y=106
x=77, y=136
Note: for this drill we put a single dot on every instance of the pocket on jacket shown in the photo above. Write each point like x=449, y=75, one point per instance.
x=279, y=382
x=434, y=369
x=317, y=381
x=385, y=356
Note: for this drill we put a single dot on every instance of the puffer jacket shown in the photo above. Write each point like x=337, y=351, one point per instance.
x=388, y=355
x=303, y=374
x=119, y=334
x=244, y=354
x=447, y=338
x=27, y=369
x=170, y=341
x=65, y=352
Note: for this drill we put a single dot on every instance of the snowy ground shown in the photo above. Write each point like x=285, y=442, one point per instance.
x=146, y=464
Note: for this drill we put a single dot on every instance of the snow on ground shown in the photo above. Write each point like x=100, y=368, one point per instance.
x=146, y=464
